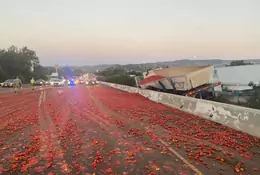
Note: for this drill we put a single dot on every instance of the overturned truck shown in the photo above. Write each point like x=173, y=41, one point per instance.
x=194, y=81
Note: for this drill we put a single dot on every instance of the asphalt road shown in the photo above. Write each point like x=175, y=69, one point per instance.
x=99, y=130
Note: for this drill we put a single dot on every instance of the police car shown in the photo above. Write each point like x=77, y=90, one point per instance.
x=72, y=82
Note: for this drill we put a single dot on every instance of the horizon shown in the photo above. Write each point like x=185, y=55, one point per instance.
x=132, y=32
x=257, y=59
x=148, y=62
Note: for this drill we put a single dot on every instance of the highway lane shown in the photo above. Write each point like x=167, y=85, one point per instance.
x=95, y=129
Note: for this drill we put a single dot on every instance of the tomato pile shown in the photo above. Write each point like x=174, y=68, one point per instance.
x=204, y=143
x=100, y=130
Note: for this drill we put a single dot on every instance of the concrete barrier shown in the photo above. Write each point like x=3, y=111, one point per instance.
x=240, y=118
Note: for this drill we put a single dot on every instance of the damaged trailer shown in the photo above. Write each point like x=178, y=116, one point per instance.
x=194, y=81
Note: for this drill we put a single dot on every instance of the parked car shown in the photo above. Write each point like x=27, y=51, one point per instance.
x=40, y=82
x=8, y=83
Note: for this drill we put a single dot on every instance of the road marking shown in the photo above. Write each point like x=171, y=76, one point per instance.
x=40, y=100
x=44, y=96
x=43, y=145
x=185, y=161
x=196, y=170
x=192, y=167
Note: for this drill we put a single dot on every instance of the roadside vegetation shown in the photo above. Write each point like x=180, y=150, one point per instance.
x=118, y=76
x=19, y=62
x=253, y=102
x=238, y=63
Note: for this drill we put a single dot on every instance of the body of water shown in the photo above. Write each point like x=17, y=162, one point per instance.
x=238, y=77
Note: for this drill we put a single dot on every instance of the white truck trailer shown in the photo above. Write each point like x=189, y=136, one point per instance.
x=189, y=80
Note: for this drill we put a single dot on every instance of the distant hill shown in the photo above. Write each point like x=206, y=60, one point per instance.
x=89, y=68
x=143, y=67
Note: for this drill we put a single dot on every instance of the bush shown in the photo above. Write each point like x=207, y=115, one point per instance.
x=118, y=76
x=254, y=101
x=120, y=79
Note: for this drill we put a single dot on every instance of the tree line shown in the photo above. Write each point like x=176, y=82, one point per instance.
x=19, y=62
x=118, y=76
x=239, y=63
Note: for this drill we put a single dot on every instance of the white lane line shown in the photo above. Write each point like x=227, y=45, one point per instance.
x=42, y=139
x=44, y=96
x=40, y=101
x=185, y=161
x=192, y=167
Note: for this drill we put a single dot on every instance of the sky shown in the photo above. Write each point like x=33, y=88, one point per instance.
x=87, y=32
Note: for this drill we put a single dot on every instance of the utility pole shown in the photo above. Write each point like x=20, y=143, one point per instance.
x=57, y=68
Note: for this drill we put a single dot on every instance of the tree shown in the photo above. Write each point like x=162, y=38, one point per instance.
x=77, y=72
x=111, y=72
x=238, y=63
x=135, y=73
x=117, y=76
x=254, y=101
x=30, y=56
x=40, y=72
x=1, y=69
x=121, y=79
x=18, y=62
